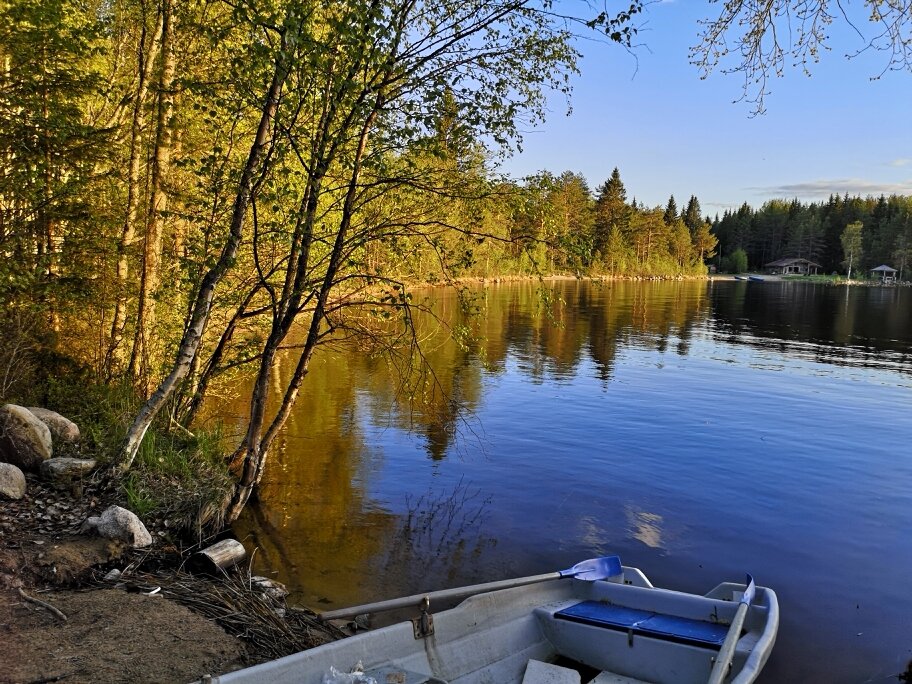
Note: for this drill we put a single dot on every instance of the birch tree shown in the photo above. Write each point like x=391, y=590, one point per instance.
x=851, y=240
x=347, y=156
x=761, y=41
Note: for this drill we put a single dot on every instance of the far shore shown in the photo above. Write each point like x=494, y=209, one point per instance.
x=821, y=279
x=560, y=277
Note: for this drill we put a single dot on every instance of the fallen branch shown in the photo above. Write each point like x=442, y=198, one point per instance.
x=42, y=604
x=180, y=427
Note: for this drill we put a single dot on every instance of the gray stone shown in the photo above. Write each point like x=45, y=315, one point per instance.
x=62, y=471
x=119, y=523
x=24, y=440
x=270, y=587
x=62, y=429
x=12, y=481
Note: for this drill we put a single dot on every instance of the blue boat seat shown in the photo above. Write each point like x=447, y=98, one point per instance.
x=680, y=630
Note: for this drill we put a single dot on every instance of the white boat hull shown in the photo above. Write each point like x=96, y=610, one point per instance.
x=491, y=638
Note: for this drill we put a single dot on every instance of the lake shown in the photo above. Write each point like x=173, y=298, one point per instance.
x=700, y=430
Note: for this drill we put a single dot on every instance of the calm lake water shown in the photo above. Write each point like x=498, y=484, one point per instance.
x=701, y=430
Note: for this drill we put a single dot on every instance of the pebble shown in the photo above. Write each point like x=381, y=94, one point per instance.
x=47, y=512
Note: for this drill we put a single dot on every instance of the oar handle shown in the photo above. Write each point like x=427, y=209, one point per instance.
x=442, y=595
x=727, y=652
x=723, y=660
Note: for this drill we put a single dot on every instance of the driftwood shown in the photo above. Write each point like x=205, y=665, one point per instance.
x=221, y=556
x=42, y=604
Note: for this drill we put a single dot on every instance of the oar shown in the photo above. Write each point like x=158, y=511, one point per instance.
x=727, y=652
x=591, y=569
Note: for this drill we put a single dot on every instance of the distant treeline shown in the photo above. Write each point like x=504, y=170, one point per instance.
x=558, y=218
x=782, y=228
x=606, y=233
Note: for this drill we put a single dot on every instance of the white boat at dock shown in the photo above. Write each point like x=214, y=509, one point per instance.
x=610, y=626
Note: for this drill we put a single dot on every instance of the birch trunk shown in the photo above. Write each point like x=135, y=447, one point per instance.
x=128, y=232
x=158, y=203
x=202, y=306
x=255, y=448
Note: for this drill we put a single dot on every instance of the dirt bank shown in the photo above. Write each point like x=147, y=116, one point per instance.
x=61, y=620
x=110, y=636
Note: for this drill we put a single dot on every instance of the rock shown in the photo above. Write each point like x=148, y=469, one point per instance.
x=12, y=481
x=62, y=429
x=271, y=588
x=62, y=471
x=119, y=523
x=24, y=440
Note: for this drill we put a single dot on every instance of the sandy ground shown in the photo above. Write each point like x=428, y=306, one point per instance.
x=109, y=635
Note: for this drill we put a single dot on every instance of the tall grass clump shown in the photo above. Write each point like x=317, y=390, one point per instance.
x=182, y=480
x=179, y=481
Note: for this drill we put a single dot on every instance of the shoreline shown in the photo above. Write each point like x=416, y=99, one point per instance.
x=65, y=615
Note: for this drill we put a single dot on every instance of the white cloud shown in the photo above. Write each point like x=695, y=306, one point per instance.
x=823, y=188
x=904, y=161
x=720, y=205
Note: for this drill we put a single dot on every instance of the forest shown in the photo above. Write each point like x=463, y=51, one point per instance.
x=190, y=189
x=789, y=228
x=609, y=234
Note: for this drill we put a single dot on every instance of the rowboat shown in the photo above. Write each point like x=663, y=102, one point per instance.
x=755, y=279
x=605, y=626
x=740, y=277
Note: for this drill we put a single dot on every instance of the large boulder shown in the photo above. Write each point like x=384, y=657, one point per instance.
x=119, y=523
x=62, y=429
x=24, y=440
x=12, y=481
x=63, y=471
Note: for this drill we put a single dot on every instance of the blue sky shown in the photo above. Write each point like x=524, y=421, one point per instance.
x=649, y=114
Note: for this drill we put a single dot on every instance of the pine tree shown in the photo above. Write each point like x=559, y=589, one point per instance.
x=704, y=242
x=48, y=150
x=671, y=211
x=611, y=210
x=570, y=202
x=680, y=246
x=692, y=218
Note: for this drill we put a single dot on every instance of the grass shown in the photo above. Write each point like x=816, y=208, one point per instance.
x=180, y=478
x=176, y=477
x=818, y=278
x=140, y=499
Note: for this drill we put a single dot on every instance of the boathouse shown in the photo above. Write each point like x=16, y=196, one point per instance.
x=792, y=266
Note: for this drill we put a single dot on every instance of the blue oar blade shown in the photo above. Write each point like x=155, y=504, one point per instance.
x=595, y=569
